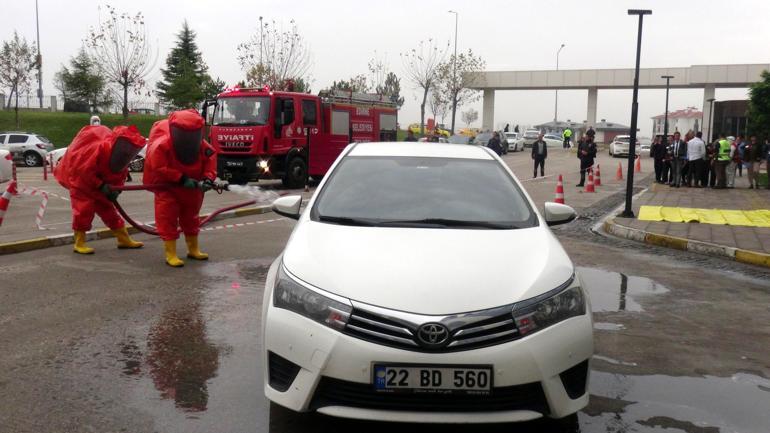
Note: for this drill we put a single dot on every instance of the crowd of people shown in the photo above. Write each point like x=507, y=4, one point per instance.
x=691, y=162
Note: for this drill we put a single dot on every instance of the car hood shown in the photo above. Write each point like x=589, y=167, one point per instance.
x=427, y=271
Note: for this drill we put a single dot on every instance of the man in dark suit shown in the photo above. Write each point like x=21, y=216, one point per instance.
x=678, y=157
x=539, y=154
x=586, y=153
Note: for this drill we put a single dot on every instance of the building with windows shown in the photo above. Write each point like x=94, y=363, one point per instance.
x=688, y=119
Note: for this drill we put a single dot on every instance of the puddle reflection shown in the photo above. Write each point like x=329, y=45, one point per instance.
x=180, y=357
x=614, y=291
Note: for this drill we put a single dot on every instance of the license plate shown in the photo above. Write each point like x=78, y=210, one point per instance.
x=234, y=163
x=476, y=379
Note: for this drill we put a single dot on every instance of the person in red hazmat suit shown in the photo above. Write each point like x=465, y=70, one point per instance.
x=96, y=160
x=179, y=156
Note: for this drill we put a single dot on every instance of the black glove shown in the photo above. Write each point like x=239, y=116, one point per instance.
x=206, y=185
x=111, y=194
x=188, y=182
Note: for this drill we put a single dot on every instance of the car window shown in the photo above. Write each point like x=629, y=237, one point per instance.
x=2, y=139
x=43, y=139
x=13, y=138
x=391, y=189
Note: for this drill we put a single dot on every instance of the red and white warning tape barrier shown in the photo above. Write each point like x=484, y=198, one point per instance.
x=5, y=199
x=34, y=192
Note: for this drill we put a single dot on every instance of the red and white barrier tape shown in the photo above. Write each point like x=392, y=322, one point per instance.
x=34, y=192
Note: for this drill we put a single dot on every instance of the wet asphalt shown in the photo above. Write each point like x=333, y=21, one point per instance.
x=118, y=342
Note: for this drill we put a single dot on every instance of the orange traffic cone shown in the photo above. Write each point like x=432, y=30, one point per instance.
x=5, y=199
x=559, y=196
x=598, y=176
x=590, y=184
x=619, y=173
x=638, y=167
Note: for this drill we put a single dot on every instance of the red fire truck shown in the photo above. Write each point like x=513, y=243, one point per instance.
x=260, y=133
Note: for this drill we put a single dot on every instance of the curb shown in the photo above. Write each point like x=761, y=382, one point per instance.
x=700, y=247
x=104, y=233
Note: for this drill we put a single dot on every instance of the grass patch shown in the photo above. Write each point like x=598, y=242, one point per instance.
x=61, y=127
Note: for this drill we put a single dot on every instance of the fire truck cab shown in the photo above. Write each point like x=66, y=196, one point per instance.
x=260, y=133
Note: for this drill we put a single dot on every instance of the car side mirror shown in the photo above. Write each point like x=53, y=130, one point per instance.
x=288, y=206
x=557, y=213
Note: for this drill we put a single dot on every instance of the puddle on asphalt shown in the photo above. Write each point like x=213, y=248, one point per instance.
x=654, y=403
x=614, y=291
x=614, y=361
x=606, y=326
x=199, y=359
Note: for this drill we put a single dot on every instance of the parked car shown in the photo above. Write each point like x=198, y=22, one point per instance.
x=553, y=140
x=371, y=313
x=460, y=139
x=6, y=166
x=136, y=165
x=511, y=139
x=529, y=137
x=27, y=147
x=482, y=138
x=441, y=139
x=645, y=146
x=619, y=146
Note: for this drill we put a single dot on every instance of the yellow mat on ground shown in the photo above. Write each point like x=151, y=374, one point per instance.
x=749, y=218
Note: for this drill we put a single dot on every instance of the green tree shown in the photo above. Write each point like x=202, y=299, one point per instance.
x=185, y=79
x=82, y=86
x=392, y=87
x=759, y=106
x=17, y=60
x=213, y=87
x=357, y=83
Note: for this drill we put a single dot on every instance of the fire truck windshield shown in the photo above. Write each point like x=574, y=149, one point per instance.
x=240, y=111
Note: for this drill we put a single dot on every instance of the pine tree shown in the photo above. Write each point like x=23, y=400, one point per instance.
x=82, y=86
x=185, y=79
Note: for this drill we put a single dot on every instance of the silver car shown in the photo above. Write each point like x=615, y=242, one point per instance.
x=30, y=148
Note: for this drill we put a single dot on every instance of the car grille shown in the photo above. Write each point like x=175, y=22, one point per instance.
x=335, y=392
x=466, y=331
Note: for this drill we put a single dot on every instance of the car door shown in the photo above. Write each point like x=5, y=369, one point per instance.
x=16, y=143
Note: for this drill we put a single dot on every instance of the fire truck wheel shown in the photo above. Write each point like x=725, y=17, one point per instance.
x=296, y=173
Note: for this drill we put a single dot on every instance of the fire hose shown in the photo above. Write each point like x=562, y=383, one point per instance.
x=219, y=187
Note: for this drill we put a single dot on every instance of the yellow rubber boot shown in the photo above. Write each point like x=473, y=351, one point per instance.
x=171, y=257
x=193, y=251
x=80, y=243
x=124, y=240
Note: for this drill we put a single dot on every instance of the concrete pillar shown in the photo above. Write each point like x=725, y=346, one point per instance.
x=708, y=93
x=593, y=95
x=488, y=110
x=53, y=103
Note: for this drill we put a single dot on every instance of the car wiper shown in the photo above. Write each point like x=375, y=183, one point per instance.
x=445, y=222
x=347, y=221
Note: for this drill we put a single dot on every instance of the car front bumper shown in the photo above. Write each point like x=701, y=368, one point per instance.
x=330, y=372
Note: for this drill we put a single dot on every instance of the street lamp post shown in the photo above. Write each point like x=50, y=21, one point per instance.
x=710, y=137
x=454, y=75
x=665, y=121
x=39, y=61
x=556, y=100
x=628, y=212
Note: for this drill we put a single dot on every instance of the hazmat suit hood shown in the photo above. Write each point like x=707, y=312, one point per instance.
x=126, y=144
x=186, y=128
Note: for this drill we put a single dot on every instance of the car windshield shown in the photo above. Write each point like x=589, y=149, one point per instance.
x=531, y=134
x=625, y=140
x=482, y=138
x=247, y=110
x=422, y=192
x=459, y=139
x=43, y=139
x=510, y=135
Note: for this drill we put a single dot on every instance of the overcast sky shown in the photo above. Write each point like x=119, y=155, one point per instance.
x=509, y=35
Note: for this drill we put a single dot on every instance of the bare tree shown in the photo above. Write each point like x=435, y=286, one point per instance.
x=275, y=57
x=456, y=76
x=378, y=70
x=470, y=116
x=17, y=60
x=439, y=105
x=120, y=47
x=421, y=68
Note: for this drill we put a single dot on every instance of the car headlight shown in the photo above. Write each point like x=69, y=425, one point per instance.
x=293, y=296
x=549, y=308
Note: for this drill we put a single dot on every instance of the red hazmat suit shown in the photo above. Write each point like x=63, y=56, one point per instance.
x=97, y=156
x=177, y=151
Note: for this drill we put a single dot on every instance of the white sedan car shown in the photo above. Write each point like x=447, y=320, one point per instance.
x=376, y=311
x=619, y=146
x=6, y=166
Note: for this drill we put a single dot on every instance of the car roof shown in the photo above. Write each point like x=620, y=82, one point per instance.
x=429, y=150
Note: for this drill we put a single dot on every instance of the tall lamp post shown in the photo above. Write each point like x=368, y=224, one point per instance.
x=628, y=212
x=556, y=100
x=710, y=137
x=665, y=122
x=454, y=75
x=39, y=61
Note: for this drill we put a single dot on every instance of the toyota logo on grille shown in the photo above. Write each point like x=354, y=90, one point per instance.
x=433, y=335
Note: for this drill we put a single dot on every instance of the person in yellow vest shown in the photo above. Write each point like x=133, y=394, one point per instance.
x=723, y=158
x=567, y=135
